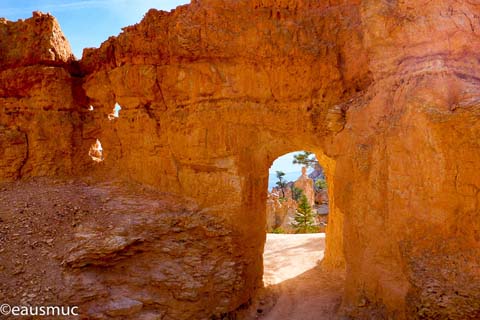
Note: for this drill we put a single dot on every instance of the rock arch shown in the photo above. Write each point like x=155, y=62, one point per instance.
x=205, y=88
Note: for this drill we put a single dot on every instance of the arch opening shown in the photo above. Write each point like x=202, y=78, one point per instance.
x=302, y=253
x=297, y=208
x=297, y=199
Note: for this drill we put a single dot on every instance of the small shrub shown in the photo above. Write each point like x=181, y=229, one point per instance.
x=321, y=184
x=278, y=230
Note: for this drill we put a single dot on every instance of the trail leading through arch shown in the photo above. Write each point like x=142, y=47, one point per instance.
x=306, y=291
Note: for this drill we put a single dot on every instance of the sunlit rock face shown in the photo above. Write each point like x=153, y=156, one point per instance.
x=38, y=40
x=384, y=92
x=39, y=107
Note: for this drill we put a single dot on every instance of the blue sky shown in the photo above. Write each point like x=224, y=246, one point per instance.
x=87, y=23
x=284, y=163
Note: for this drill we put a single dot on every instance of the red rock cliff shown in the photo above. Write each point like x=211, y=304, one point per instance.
x=39, y=111
x=38, y=40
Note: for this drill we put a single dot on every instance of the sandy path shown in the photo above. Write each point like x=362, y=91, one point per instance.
x=306, y=292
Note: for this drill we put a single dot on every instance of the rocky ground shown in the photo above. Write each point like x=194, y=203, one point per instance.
x=37, y=219
x=56, y=235
x=41, y=218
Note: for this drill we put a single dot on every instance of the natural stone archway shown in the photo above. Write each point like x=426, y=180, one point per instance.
x=206, y=88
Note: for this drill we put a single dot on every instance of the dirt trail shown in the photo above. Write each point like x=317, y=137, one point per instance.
x=305, y=290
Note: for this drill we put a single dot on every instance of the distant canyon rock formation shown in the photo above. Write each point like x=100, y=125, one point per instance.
x=386, y=93
x=281, y=210
x=279, y=213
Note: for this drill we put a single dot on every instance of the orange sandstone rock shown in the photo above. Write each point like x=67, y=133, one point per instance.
x=38, y=40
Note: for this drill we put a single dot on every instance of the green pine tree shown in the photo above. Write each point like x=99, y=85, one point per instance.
x=304, y=221
x=281, y=183
x=306, y=159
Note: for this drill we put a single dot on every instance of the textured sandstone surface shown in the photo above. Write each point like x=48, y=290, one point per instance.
x=386, y=93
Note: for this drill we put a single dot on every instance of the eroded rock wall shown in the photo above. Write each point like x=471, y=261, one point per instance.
x=39, y=120
x=408, y=150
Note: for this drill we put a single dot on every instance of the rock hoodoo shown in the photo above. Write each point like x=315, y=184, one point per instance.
x=305, y=184
x=386, y=93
